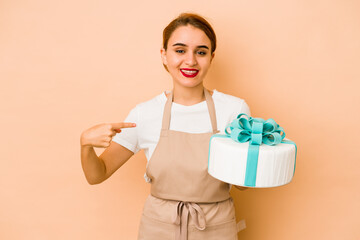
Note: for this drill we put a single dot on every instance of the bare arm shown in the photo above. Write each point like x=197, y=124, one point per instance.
x=114, y=157
x=93, y=167
x=98, y=169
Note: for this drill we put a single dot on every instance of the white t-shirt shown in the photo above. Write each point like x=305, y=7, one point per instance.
x=192, y=119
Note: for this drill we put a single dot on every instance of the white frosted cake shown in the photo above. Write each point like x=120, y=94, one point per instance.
x=269, y=165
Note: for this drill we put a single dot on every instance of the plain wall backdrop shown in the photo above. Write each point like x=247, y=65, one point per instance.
x=68, y=65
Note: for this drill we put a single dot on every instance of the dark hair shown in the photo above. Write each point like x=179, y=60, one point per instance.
x=194, y=20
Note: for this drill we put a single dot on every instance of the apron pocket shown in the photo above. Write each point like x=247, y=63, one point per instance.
x=152, y=229
x=223, y=231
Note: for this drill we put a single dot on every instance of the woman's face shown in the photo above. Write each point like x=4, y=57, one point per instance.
x=188, y=56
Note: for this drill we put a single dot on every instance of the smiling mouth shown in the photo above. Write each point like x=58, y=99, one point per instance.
x=190, y=73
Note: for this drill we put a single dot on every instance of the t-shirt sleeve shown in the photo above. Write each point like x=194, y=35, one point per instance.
x=128, y=137
x=240, y=107
x=245, y=108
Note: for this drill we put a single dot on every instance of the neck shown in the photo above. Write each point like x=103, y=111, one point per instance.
x=188, y=96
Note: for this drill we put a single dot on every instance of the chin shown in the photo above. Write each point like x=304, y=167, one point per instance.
x=189, y=84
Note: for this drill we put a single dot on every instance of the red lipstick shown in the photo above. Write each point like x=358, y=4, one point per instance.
x=189, y=72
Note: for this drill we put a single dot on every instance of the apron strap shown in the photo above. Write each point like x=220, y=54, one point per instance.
x=210, y=105
x=211, y=108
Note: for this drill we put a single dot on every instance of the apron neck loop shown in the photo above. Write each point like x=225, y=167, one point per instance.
x=210, y=105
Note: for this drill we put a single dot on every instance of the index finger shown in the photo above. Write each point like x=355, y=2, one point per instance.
x=122, y=125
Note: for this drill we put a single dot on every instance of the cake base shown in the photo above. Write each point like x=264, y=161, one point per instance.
x=228, y=160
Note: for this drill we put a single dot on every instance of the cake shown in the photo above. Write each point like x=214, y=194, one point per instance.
x=252, y=153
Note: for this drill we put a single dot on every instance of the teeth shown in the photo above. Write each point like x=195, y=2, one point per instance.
x=188, y=72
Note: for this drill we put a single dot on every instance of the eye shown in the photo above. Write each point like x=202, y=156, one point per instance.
x=201, y=53
x=179, y=51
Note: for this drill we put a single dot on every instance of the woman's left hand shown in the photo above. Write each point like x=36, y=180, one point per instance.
x=241, y=188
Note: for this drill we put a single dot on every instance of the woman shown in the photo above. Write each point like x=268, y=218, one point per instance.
x=185, y=201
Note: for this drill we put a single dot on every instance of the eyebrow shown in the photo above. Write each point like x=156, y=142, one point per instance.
x=184, y=45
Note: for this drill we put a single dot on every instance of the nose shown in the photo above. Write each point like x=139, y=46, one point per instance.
x=190, y=59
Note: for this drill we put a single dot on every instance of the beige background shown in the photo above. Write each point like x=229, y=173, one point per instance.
x=68, y=65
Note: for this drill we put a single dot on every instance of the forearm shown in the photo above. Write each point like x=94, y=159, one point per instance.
x=93, y=167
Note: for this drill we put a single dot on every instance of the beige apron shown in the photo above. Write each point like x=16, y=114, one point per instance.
x=185, y=201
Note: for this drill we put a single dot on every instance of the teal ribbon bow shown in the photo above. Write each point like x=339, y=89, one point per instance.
x=256, y=131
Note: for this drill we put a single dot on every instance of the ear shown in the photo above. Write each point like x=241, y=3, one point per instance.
x=212, y=57
x=163, y=56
